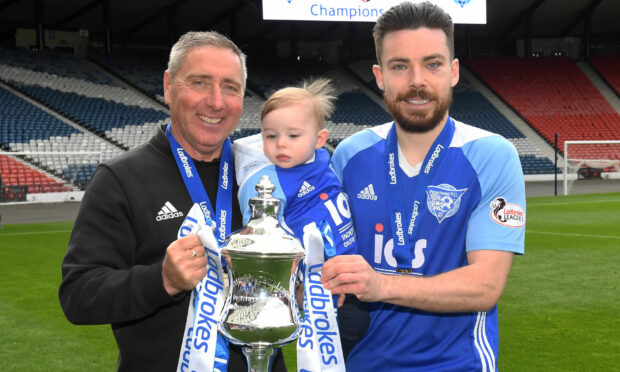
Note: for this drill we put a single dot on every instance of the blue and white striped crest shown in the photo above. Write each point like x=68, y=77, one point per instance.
x=443, y=201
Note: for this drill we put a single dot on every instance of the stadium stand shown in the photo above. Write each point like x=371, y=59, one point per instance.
x=142, y=71
x=96, y=114
x=21, y=122
x=553, y=95
x=471, y=107
x=607, y=65
x=363, y=69
x=19, y=179
x=267, y=76
x=24, y=127
x=97, y=97
x=75, y=89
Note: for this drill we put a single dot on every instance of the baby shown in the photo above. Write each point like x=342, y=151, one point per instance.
x=293, y=135
x=293, y=123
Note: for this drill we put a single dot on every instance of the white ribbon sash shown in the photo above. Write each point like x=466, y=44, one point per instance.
x=206, y=303
x=318, y=347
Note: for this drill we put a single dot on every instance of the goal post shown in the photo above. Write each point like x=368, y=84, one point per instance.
x=590, y=157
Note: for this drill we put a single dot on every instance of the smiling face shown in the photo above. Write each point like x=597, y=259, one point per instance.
x=417, y=76
x=290, y=134
x=206, y=100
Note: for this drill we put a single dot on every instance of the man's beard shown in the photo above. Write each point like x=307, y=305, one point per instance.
x=418, y=122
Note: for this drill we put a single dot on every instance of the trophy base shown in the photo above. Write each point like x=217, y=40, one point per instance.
x=260, y=359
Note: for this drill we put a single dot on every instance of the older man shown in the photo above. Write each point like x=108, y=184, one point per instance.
x=124, y=264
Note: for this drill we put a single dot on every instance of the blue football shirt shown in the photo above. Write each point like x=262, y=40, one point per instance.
x=475, y=200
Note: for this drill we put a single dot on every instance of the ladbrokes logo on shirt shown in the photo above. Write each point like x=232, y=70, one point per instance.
x=186, y=167
x=392, y=170
x=225, y=176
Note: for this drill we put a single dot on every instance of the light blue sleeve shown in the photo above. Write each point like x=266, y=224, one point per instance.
x=247, y=190
x=351, y=146
x=498, y=222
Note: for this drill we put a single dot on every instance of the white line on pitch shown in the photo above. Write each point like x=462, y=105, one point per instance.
x=579, y=235
x=36, y=232
x=570, y=203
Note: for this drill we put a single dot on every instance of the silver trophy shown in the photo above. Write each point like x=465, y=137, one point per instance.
x=261, y=311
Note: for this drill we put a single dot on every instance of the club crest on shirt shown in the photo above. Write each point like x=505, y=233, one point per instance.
x=443, y=200
x=507, y=214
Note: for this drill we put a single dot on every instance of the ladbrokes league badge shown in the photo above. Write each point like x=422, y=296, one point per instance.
x=507, y=214
x=443, y=201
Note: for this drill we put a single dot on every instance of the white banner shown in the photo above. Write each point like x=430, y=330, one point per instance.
x=200, y=340
x=461, y=11
x=318, y=346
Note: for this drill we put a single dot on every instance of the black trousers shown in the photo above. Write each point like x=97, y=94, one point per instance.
x=353, y=322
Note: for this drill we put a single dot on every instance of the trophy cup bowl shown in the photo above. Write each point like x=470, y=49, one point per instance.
x=261, y=311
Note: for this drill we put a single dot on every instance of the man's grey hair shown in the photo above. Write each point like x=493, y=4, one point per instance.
x=410, y=16
x=194, y=39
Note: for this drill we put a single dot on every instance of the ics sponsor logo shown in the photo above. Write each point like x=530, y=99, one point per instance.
x=384, y=251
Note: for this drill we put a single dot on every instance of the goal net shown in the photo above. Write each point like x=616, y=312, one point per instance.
x=45, y=172
x=590, y=159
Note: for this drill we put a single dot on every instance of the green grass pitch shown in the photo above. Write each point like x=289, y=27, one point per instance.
x=559, y=310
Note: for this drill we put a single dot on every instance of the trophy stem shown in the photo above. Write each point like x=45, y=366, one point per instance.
x=259, y=359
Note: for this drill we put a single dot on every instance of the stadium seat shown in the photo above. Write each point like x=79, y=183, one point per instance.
x=553, y=95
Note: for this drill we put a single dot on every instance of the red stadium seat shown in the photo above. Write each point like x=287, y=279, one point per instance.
x=553, y=95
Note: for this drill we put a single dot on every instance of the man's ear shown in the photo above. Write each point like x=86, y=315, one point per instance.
x=455, y=72
x=321, y=138
x=167, y=83
x=378, y=72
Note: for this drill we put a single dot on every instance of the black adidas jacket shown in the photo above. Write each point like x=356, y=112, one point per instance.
x=112, y=269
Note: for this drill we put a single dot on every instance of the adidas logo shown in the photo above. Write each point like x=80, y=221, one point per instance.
x=305, y=189
x=368, y=193
x=167, y=212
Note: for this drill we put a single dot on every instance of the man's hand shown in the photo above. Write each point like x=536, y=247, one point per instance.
x=184, y=265
x=474, y=287
x=352, y=274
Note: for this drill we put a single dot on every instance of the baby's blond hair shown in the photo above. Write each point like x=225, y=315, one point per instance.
x=319, y=92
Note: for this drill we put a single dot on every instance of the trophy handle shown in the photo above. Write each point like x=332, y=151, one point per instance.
x=220, y=325
x=293, y=288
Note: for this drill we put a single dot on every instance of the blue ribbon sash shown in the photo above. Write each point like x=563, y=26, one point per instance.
x=405, y=204
x=200, y=354
x=221, y=222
